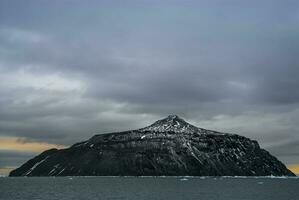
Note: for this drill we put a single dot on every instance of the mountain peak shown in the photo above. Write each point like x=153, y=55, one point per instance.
x=172, y=117
x=171, y=123
x=168, y=147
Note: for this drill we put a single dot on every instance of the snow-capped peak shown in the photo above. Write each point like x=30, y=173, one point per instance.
x=171, y=123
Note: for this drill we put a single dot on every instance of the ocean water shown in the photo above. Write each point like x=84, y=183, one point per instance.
x=148, y=188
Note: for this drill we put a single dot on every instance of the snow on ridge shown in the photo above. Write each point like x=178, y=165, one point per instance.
x=35, y=165
x=172, y=123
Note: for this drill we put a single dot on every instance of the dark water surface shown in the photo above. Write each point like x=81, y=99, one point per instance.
x=149, y=188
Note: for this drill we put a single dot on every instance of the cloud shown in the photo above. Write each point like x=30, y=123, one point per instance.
x=22, y=145
x=15, y=35
x=15, y=151
x=13, y=159
x=111, y=66
x=23, y=78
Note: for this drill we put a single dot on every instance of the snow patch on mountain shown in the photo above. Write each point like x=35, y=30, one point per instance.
x=35, y=165
x=172, y=123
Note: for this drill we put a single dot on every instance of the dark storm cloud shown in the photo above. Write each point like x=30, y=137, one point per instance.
x=70, y=69
x=12, y=159
x=288, y=151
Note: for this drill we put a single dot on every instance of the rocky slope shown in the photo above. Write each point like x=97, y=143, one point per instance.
x=170, y=147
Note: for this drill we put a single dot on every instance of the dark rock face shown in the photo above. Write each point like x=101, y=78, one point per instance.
x=170, y=147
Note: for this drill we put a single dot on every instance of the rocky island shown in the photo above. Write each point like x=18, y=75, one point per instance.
x=168, y=147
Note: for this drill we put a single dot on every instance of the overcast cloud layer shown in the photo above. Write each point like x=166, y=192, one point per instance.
x=69, y=69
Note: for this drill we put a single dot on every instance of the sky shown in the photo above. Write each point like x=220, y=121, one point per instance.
x=70, y=69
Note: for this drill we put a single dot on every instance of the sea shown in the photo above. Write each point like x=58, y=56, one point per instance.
x=149, y=188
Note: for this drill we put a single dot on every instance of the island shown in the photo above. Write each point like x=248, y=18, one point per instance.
x=168, y=147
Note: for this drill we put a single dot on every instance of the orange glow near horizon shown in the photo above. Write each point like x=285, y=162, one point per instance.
x=294, y=168
x=5, y=171
x=15, y=144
